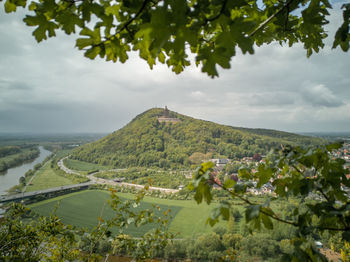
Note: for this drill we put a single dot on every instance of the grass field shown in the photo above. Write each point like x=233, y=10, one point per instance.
x=46, y=178
x=83, y=208
x=83, y=166
x=62, y=153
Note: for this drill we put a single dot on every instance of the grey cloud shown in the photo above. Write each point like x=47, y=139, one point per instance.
x=51, y=87
x=272, y=99
x=319, y=95
x=10, y=85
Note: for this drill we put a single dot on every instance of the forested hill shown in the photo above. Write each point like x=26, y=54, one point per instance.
x=146, y=141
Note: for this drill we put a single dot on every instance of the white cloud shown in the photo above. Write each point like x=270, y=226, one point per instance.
x=197, y=94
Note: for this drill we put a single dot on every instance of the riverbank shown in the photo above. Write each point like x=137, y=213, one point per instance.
x=22, y=154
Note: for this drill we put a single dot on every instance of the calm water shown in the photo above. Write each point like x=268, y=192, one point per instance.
x=11, y=177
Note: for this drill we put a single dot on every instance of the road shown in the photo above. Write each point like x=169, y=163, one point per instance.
x=93, y=180
x=10, y=198
x=96, y=180
x=66, y=169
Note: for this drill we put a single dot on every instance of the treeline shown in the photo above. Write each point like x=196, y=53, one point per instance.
x=9, y=150
x=146, y=142
x=15, y=156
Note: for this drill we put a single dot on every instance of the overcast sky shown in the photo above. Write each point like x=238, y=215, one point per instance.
x=52, y=87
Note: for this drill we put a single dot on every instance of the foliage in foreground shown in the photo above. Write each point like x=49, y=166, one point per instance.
x=48, y=239
x=311, y=175
x=168, y=30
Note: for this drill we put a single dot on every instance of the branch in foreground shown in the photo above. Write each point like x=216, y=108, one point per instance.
x=276, y=217
x=263, y=24
x=144, y=4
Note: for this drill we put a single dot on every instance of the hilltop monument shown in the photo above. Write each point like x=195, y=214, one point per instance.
x=166, y=117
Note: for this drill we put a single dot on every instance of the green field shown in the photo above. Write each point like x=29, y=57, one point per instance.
x=62, y=153
x=83, y=166
x=47, y=178
x=83, y=208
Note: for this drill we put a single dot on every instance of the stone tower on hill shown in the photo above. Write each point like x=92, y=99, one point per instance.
x=166, y=117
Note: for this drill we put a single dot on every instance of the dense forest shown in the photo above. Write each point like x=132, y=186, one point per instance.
x=147, y=142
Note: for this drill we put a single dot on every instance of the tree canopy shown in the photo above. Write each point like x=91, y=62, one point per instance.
x=169, y=30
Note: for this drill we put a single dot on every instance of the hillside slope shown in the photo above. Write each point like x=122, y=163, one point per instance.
x=147, y=142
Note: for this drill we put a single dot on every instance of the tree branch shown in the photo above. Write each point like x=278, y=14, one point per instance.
x=263, y=24
x=251, y=203
x=125, y=26
x=286, y=19
x=276, y=217
x=323, y=194
x=144, y=4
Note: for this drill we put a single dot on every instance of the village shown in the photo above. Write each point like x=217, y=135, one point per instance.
x=222, y=172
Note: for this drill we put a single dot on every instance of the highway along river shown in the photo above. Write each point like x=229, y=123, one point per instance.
x=11, y=177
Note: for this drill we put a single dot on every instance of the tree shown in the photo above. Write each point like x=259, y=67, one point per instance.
x=257, y=157
x=168, y=30
x=311, y=176
x=22, y=180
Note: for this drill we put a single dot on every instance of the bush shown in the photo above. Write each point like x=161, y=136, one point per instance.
x=261, y=245
x=204, y=246
x=232, y=240
x=176, y=249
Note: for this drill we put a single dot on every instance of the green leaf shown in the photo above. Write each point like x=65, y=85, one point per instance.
x=81, y=43
x=68, y=20
x=264, y=174
x=207, y=166
x=93, y=52
x=115, y=49
x=95, y=34
x=211, y=221
x=112, y=10
x=45, y=28
x=266, y=221
x=229, y=183
x=32, y=6
x=245, y=173
x=225, y=213
x=240, y=188
x=10, y=7
x=252, y=212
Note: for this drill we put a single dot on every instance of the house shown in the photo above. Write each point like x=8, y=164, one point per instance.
x=220, y=161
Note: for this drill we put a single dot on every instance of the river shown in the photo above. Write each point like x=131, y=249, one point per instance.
x=11, y=177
